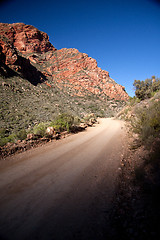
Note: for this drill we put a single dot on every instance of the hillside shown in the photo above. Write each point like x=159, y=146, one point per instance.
x=38, y=81
x=136, y=205
x=73, y=71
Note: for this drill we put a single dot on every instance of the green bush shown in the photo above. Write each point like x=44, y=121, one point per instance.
x=3, y=141
x=2, y=132
x=22, y=134
x=10, y=138
x=147, y=122
x=63, y=122
x=40, y=129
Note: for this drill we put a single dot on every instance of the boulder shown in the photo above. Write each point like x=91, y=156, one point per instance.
x=30, y=136
x=50, y=131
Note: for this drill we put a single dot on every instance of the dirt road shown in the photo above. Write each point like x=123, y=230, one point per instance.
x=63, y=189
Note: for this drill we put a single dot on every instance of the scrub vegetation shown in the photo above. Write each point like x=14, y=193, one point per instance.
x=137, y=211
x=143, y=110
x=26, y=108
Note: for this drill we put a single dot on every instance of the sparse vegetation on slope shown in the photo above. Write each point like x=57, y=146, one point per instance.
x=143, y=111
x=39, y=84
x=24, y=105
x=147, y=121
x=137, y=212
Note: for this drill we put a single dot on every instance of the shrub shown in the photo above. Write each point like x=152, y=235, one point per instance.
x=10, y=138
x=145, y=89
x=101, y=114
x=147, y=122
x=90, y=118
x=22, y=134
x=2, y=132
x=63, y=122
x=3, y=141
x=133, y=100
x=40, y=129
x=76, y=121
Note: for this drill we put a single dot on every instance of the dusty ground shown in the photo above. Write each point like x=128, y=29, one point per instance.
x=64, y=189
x=135, y=210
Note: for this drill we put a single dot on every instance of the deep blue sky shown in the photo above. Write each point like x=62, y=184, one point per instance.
x=122, y=35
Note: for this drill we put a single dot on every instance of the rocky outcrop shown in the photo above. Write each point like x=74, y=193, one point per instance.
x=74, y=72
x=13, y=56
x=26, y=38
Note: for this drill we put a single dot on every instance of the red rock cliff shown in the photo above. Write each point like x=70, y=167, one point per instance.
x=68, y=68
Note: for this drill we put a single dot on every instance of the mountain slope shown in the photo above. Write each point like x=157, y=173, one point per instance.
x=67, y=67
x=38, y=81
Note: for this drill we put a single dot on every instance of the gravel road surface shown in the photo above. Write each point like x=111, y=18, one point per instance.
x=62, y=190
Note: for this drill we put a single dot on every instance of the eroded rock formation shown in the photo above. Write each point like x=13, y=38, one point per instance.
x=75, y=72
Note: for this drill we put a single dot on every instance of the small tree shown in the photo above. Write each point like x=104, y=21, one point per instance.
x=140, y=89
x=144, y=89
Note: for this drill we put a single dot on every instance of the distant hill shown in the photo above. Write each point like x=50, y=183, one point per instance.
x=38, y=81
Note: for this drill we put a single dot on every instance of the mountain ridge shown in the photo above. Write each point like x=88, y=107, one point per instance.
x=68, y=68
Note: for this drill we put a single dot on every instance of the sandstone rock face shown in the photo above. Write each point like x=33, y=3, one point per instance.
x=26, y=38
x=74, y=72
x=78, y=72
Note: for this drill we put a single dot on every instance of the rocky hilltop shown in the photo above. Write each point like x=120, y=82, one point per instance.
x=27, y=51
